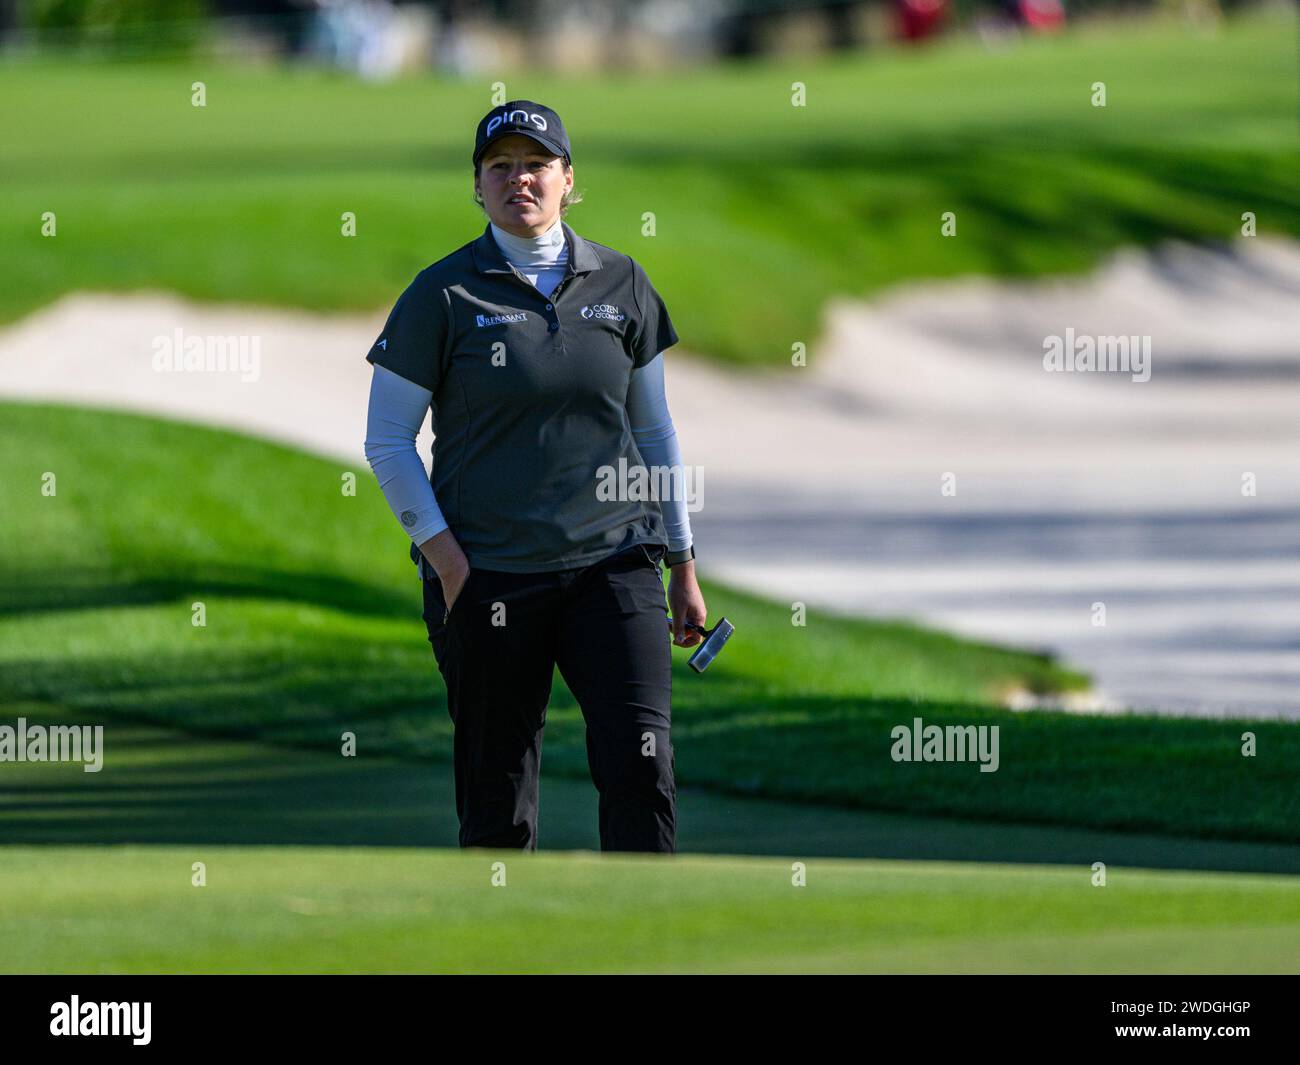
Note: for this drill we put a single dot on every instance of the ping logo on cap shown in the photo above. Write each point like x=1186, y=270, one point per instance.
x=517, y=116
x=527, y=118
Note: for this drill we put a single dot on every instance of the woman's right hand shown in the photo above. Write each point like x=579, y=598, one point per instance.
x=449, y=562
x=456, y=581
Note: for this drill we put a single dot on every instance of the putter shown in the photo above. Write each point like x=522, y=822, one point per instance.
x=714, y=640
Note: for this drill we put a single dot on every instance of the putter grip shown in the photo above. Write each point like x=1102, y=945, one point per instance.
x=691, y=625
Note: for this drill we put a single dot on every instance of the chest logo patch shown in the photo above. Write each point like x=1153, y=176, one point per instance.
x=499, y=319
x=603, y=310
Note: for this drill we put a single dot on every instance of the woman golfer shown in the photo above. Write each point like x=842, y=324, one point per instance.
x=540, y=354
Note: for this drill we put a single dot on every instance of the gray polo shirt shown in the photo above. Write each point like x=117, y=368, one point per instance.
x=529, y=400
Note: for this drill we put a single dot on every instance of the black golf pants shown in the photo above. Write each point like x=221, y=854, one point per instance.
x=605, y=627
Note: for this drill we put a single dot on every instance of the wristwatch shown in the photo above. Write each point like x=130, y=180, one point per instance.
x=676, y=558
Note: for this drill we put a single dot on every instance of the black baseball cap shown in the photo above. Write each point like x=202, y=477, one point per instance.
x=526, y=117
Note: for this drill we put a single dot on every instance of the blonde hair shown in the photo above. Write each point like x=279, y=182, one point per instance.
x=569, y=199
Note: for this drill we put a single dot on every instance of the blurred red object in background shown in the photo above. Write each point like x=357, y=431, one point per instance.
x=920, y=18
x=1042, y=14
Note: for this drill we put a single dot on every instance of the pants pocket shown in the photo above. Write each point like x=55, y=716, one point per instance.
x=639, y=587
x=435, y=614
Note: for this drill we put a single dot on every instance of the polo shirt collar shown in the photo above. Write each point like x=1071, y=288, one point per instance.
x=490, y=259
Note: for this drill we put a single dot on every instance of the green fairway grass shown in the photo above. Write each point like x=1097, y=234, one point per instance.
x=313, y=628
x=167, y=786
x=295, y=910
x=762, y=210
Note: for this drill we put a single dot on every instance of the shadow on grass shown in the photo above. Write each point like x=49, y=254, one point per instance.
x=735, y=736
x=159, y=786
x=37, y=591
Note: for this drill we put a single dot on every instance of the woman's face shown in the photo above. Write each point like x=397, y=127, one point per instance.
x=521, y=184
